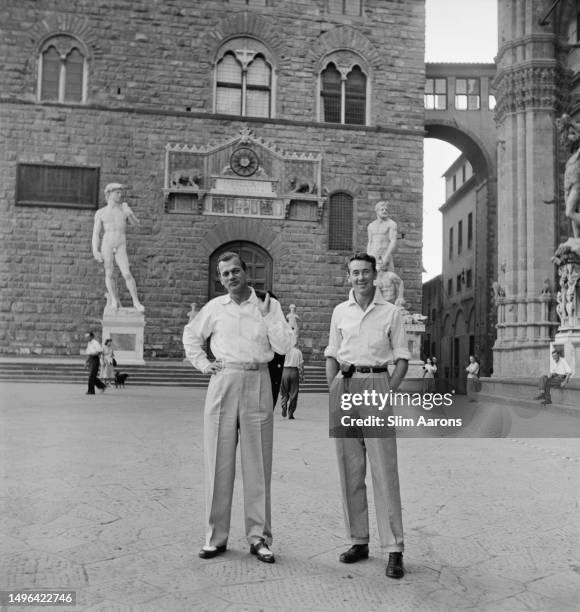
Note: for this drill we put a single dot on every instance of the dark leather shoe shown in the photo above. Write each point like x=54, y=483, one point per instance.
x=395, y=565
x=210, y=554
x=357, y=552
x=545, y=402
x=261, y=550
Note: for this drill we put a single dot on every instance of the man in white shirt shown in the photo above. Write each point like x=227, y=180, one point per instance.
x=292, y=376
x=245, y=332
x=93, y=352
x=366, y=333
x=560, y=373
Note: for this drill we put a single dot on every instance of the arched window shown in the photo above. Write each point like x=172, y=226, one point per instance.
x=340, y=222
x=244, y=79
x=62, y=70
x=355, y=97
x=331, y=92
x=343, y=92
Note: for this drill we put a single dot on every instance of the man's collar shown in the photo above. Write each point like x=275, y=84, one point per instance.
x=227, y=298
x=377, y=299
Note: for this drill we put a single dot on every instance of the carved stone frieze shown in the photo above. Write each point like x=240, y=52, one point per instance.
x=568, y=296
x=244, y=176
x=522, y=88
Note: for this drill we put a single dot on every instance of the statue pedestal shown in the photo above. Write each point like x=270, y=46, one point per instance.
x=568, y=303
x=125, y=327
x=415, y=328
x=569, y=341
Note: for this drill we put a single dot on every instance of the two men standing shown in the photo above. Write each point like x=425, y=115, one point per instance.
x=366, y=333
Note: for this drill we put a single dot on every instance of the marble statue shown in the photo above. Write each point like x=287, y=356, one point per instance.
x=570, y=138
x=496, y=292
x=382, y=237
x=392, y=287
x=193, y=312
x=111, y=219
x=293, y=318
x=546, y=288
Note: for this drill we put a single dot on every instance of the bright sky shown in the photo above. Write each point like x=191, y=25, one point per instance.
x=451, y=25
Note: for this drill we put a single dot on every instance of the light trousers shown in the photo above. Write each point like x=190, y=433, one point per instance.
x=238, y=406
x=352, y=467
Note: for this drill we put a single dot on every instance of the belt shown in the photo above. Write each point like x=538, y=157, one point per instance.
x=244, y=366
x=373, y=369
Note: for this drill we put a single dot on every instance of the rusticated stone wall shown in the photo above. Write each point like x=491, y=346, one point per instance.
x=148, y=63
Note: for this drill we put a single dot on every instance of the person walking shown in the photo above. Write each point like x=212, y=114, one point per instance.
x=245, y=333
x=472, y=370
x=292, y=376
x=93, y=352
x=107, y=372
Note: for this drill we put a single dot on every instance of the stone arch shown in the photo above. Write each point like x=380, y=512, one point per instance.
x=344, y=183
x=249, y=230
x=346, y=38
x=478, y=154
x=460, y=323
x=71, y=25
x=252, y=25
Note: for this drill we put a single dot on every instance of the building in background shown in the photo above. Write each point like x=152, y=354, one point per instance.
x=270, y=128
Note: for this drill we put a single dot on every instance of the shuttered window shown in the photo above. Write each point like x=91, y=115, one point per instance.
x=244, y=82
x=62, y=70
x=50, y=74
x=73, y=84
x=331, y=94
x=340, y=222
x=355, y=97
x=60, y=186
x=343, y=100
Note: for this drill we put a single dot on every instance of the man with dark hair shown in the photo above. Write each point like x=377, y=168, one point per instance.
x=245, y=332
x=367, y=333
x=93, y=352
x=560, y=373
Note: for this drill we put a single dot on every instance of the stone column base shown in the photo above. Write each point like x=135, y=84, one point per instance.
x=125, y=327
x=570, y=341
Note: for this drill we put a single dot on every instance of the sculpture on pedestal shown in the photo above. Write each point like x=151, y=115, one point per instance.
x=382, y=233
x=382, y=239
x=193, y=312
x=293, y=319
x=570, y=137
x=569, y=273
x=112, y=219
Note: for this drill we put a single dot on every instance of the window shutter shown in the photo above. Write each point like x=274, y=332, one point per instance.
x=331, y=94
x=340, y=222
x=229, y=86
x=73, y=90
x=355, y=111
x=50, y=74
x=258, y=88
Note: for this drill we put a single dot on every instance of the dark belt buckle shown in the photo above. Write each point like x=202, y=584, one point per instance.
x=347, y=369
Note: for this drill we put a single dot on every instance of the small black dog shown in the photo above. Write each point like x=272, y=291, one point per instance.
x=120, y=379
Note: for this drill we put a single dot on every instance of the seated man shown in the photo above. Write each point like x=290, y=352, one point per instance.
x=560, y=373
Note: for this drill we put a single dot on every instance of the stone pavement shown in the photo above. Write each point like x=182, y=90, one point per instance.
x=104, y=495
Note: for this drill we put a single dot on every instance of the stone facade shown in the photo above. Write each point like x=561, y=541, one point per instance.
x=537, y=73
x=150, y=83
